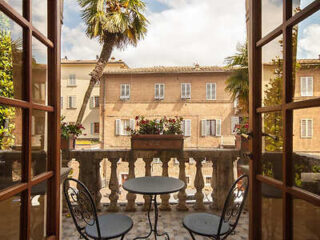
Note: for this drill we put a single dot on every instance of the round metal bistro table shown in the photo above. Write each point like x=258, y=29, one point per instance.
x=153, y=186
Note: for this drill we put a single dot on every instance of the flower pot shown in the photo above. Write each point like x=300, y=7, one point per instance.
x=242, y=143
x=68, y=143
x=157, y=142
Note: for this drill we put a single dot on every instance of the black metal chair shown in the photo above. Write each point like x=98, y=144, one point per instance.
x=216, y=227
x=84, y=215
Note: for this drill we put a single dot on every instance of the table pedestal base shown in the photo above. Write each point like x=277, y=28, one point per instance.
x=154, y=229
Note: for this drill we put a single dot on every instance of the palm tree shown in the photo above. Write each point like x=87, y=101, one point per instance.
x=116, y=23
x=238, y=82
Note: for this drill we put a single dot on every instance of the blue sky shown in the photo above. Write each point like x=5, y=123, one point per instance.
x=185, y=32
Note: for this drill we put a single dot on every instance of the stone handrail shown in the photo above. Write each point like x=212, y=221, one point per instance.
x=221, y=161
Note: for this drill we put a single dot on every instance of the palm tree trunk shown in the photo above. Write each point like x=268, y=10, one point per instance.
x=97, y=72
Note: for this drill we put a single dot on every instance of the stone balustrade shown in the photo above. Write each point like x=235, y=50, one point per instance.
x=220, y=161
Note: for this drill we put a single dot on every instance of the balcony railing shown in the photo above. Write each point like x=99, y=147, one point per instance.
x=91, y=168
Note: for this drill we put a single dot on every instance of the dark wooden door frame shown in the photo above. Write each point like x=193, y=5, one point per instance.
x=52, y=175
x=256, y=41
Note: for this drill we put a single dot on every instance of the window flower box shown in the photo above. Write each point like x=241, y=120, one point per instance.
x=157, y=142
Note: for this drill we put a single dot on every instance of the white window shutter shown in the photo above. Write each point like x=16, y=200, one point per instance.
x=118, y=127
x=188, y=90
x=132, y=124
x=156, y=91
x=303, y=127
x=218, y=127
x=183, y=90
x=203, y=128
x=161, y=91
x=208, y=91
x=187, y=127
x=122, y=90
x=234, y=121
x=310, y=127
x=91, y=102
x=128, y=91
x=214, y=91
x=310, y=86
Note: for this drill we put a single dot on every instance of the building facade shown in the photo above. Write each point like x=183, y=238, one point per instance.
x=74, y=83
x=195, y=93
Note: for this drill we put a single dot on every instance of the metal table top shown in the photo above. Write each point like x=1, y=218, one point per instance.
x=153, y=185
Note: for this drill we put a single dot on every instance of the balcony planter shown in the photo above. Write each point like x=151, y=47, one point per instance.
x=157, y=142
x=242, y=143
x=68, y=143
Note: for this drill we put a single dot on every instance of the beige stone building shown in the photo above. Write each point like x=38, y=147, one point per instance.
x=74, y=82
x=195, y=93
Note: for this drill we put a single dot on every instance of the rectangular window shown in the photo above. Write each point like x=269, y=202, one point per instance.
x=185, y=90
x=122, y=125
x=211, y=91
x=95, y=128
x=61, y=102
x=306, y=128
x=207, y=180
x=124, y=91
x=210, y=127
x=159, y=91
x=186, y=127
x=72, y=80
x=306, y=86
x=94, y=102
x=234, y=121
x=72, y=102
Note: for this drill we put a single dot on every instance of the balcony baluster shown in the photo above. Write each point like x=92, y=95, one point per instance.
x=147, y=198
x=114, y=186
x=199, y=185
x=182, y=196
x=131, y=197
x=165, y=206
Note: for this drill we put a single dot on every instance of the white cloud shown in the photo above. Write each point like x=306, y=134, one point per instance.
x=308, y=44
x=190, y=31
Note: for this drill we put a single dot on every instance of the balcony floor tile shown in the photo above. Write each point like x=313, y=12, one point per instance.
x=170, y=222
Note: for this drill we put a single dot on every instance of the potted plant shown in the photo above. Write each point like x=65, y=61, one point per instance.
x=242, y=128
x=163, y=134
x=69, y=134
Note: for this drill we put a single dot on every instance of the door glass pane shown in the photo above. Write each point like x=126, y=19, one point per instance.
x=16, y=4
x=10, y=58
x=306, y=219
x=306, y=50
x=298, y=5
x=39, y=143
x=10, y=218
x=272, y=72
x=272, y=145
x=271, y=15
x=306, y=149
x=39, y=15
x=271, y=212
x=10, y=145
x=39, y=72
x=38, y=211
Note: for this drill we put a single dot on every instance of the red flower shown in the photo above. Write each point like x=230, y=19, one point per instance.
x=173, y=120
x=137, y=117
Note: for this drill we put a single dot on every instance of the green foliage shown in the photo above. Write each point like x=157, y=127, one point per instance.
x=123, y=18
x=165, y=126
x=70, y=129
x=238, y=82
x=7, y=114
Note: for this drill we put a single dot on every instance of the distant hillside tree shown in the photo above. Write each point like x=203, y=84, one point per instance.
x=116, y=23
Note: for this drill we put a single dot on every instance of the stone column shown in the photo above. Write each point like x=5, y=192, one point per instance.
x=199, y=184
x=114, y=186
x=165, y=206
x=213, y=205
x=131, y=197
x=182, y=196
x=89, y=174
x=147, y=198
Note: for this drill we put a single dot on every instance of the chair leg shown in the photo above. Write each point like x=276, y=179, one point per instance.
x=122, y=237
x=192, y=236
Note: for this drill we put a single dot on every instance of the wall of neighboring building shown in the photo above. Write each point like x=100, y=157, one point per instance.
x=143, y=102
x=91, y=115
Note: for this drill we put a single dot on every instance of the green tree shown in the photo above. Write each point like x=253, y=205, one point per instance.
x=7, y=114
x=116, y=23
x=238, y=82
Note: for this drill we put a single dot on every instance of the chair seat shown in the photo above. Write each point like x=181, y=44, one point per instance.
x=111, y=226
x=205, y=224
